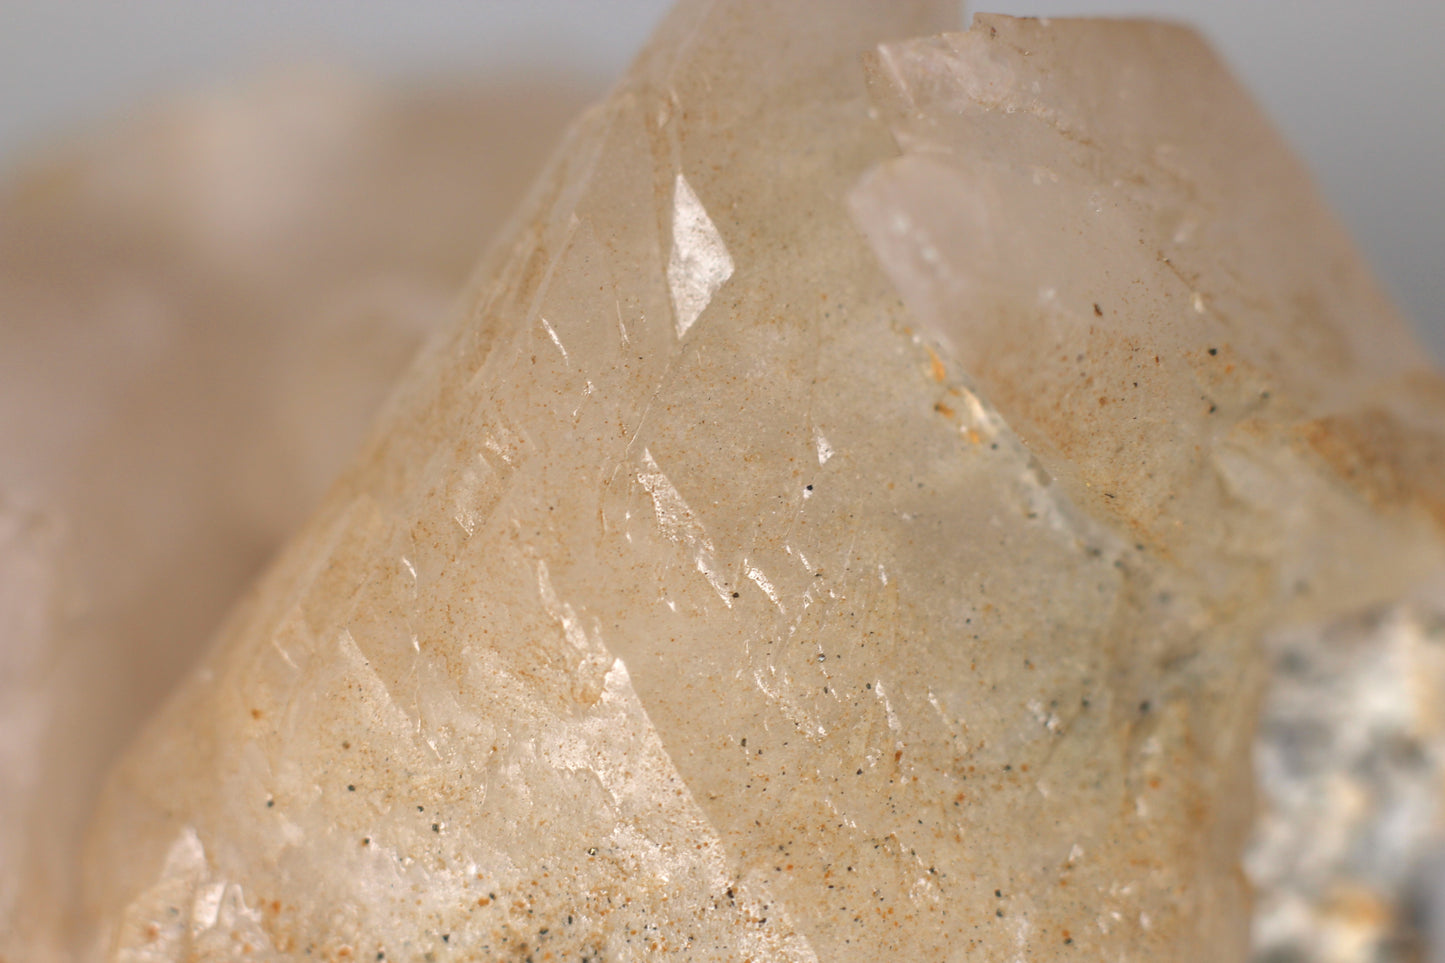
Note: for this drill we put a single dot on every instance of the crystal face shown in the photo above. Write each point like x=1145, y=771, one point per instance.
x=202, y=309
x=862, y=512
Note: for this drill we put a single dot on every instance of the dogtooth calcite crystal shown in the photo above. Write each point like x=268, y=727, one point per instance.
x=854, y=516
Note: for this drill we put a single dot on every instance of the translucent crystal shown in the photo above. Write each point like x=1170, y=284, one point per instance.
x=847, y=522
x=1104, y=231
x=202, y=309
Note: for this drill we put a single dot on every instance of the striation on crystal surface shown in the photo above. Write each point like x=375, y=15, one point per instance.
x=863, y=512
x=202, y=309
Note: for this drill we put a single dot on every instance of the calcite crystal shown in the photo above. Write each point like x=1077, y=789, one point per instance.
x=851, y=520
x=1097, y=224
x=200, y=311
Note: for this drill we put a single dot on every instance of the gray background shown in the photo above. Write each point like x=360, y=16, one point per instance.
x=1357, y=85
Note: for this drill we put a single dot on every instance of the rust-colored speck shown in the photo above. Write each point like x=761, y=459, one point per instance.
x=936, y=369
x=1387, y=461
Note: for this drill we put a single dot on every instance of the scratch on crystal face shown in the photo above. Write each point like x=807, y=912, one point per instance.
x=679, y=524
x=825, y=450
x=756, y=575
x=286, y=656
x=882, y=695
x=552, y=333
x=586, y=393
x=705, y=565
x=673, y=515
x=699, y=263
x=621, y=328
x=938, y=708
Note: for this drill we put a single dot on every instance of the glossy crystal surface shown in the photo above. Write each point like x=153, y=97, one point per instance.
x=844, y=523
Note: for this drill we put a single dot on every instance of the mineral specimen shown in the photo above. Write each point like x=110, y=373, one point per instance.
x=201, y=310
x=849, y=522
x=1110, y=239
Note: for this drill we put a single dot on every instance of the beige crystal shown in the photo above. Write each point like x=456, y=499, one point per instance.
x=1097, y=223
x=202, y=309
x=845, y=523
